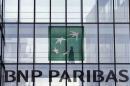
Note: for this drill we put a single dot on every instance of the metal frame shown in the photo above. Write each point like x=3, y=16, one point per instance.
x=66, y=23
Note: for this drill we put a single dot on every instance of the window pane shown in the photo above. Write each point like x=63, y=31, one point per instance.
x=26, y=43
x=121, y=10
x=105, y=10
x=90, y=43
x=11, y=9
x=42, y=10
x=122, y=43
x=73, y=11
x=26, y=10
x=42, y=44
x=10, y=55
x=58, y=10
x=89, y=10
x=106, y=43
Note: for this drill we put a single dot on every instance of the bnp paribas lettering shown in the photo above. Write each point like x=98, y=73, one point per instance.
x=84, y=76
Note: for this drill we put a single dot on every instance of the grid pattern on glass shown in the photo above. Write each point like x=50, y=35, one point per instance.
x=121, y=8
x=109, y=33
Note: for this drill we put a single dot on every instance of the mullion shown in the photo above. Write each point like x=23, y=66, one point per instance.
x=129, y=19
x=114, y=38
x=3, y=7
x=50, y=40
x=1, y=58
x=67, y=23
x=66, y=38
x=82, y=27
x=2, y=36
x=71, y=63
x=34, y=20
x=2, y=33
x=18, y=19
x=98, y=39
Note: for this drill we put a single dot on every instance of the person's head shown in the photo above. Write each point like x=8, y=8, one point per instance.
x=71, y=47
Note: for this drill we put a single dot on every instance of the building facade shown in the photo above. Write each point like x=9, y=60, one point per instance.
x=25, y=38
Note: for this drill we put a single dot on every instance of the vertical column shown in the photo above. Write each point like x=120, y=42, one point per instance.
x=34, y=20
x=1, y=43
x=114, y=41
x=98, y=39
x=82, y=27
x=129, y=19
x=18, y=21
x=66, y=37
x=50, y=40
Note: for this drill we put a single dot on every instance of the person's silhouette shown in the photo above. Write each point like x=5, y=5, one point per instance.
x=71, y=54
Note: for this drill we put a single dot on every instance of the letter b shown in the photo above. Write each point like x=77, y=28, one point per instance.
x=12, y=76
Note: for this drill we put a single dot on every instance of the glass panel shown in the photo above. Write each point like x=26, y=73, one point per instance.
x=48, y=48
x=90, y=43
x=106, y=43
x=10, y=55
x=89, y=10
x=26, y=43
x=42, y=44
x=58, y=10
x=11, y=9
x=26, y=10
x=73, y=11
x=42, y=10
x=122, y=43
x=42, y=81
x=105, y=10
x=121, y=10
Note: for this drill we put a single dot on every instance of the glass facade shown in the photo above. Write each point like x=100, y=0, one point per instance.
x=25, y=32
